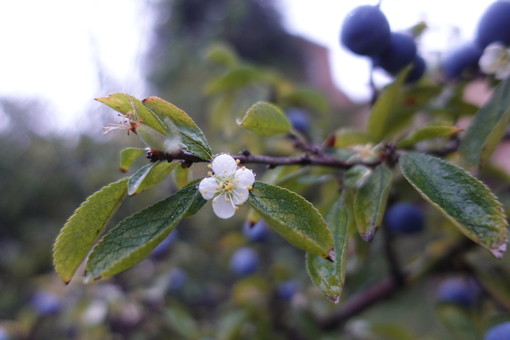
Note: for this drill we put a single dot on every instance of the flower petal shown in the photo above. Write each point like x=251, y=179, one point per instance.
x=240, y=195
x=503, y=72
x=208, y=187
x=224, y=165
x=244, y=177
x=223, y=207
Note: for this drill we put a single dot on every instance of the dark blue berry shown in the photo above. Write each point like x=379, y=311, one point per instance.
x=257, y=232
x=400, y=52
x=463, y=60
x=244, y=261
x=417, y=70
x=46, y=303
x=299, y=119
x=498, y=332
x=405, y=218
x=287, y=289
x=366, y=31
x=177, y=278
x=162, y=248
x=460, y=291
x=494, y=25
x=4, y=335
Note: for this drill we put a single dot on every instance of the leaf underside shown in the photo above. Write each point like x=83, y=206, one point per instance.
x=370, y=201
x=193, y=139
x=327, y=275
x=487, y=128
x=266, y=119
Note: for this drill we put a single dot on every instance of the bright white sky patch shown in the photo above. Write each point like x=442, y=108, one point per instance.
x=320, y=20
x=54, y=49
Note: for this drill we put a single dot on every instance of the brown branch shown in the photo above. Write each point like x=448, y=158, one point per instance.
x=271, y=161
x=390, y=286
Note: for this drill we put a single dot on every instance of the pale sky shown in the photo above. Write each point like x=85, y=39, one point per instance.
x=54, y=48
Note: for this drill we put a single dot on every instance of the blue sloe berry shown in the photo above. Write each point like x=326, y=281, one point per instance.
x=460, y=61
x=400, y=52
x=498, y=332
x=287, y=289
x=404, y=218
x=494, y=25
x=460, y=291
x=366, y=31
x=417, y=71
x=162, y=248
x=46, y=303
x=257, y=232
x=244, y=261
x=299, y=119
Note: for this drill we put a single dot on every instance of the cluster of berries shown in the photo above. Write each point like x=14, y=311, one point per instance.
x=489, y=50
x=366, y=31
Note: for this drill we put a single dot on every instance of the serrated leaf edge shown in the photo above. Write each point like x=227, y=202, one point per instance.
x=498, y=250
x=68, y=223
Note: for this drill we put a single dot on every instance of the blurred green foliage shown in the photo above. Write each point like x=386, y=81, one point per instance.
x=187, y=291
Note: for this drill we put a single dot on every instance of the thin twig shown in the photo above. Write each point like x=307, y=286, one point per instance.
x=389, y=286
x=271, y=161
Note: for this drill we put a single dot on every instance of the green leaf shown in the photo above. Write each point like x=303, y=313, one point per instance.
x=235, y=79
x=378, y=121
x=230, y=325
x=135, y=237
x=412, y=100
x=182, y=176
x=222, y=54
x=266, y=120
x=182, y=322
x=302, y=97
x=427, y=132
x=128, y=156
x=149, y=175
x=487, y=128
x=192, y=137
x=127, y=104
x=293, y=217
x=463, y=199
x=83, y=228
x=347, y=137
x=356, y=176
x=370, y=201
x=494, y=280
x=457, y=322
x=330, y=276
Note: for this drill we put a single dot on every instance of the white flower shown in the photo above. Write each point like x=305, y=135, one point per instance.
x=228, y=186
x=496, y=60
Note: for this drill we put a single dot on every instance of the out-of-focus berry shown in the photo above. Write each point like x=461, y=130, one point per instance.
x=498, y=332
x=366, y=31
x=494, y=25
x=405, y=218
x=244, y=261
x=460, y=291
x=257, y=232
x=400, y=52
